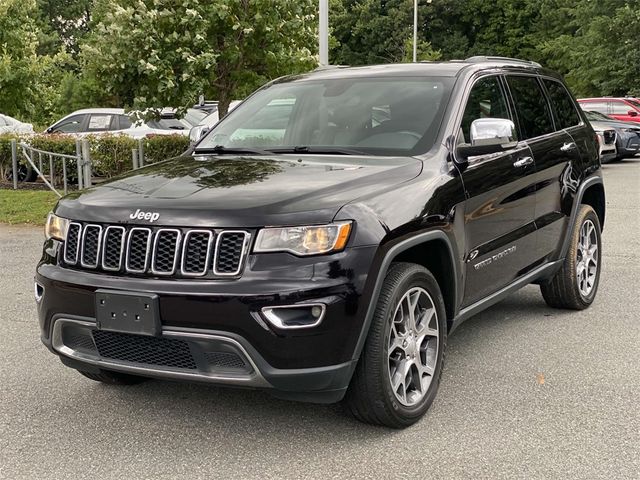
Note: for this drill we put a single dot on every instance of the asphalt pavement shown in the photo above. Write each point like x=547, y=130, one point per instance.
x=527, y=392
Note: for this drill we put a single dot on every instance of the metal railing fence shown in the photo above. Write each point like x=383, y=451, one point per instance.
x=50, y=165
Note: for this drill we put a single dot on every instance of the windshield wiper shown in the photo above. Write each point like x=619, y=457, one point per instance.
x=318, y=150
x=222, y=150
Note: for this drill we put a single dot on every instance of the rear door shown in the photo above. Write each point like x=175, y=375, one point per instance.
x=499, y=227
x=555, y=152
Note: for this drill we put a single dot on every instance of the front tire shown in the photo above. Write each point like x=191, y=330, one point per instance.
x=399, y=370
x=574, y=286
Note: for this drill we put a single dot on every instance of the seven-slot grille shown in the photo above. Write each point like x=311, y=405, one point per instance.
x=158, y=251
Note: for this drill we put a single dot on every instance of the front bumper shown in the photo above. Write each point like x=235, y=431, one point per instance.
x=215, y=317
x=628, y=144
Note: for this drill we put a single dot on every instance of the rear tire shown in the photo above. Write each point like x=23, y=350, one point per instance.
x=399, y=370
x=575, y=285
x=25, y=173
x=113, y=378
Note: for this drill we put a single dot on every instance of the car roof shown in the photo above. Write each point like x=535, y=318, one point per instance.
x=112, y=111
x=605, y=99
x=451, y=68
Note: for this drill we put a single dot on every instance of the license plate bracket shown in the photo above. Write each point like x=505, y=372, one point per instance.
x=128, y=312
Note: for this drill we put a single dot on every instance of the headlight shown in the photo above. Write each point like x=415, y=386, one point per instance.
x=311, y=240
x=56, y=227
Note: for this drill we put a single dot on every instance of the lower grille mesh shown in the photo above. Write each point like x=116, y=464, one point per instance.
x=146, y=350
x=224, y=360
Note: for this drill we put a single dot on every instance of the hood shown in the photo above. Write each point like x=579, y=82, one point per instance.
x=604, y=125
x=240, y=191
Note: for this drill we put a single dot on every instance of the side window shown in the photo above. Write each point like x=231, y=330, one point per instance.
x=618, y=107
x=562, y=104
x=486, y=100
x=99, y=123
x=600, y=107
x=532, y=108
x=70, y=125
x=124, y=122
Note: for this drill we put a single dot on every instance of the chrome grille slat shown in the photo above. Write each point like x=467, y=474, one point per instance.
x=231, y=247
x=166, y=249
x=194, y=263
x=91, y=243
x=72, y=244
x=138, y=247
x=113, y=248
x=156, y=251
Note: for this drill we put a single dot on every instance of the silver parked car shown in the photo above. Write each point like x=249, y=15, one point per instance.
x=97, y=121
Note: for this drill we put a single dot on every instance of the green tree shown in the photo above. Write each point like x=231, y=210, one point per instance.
x=63, y=24
x=154, y=53
x=19, y=66
x=375, y=31
x=599, y=51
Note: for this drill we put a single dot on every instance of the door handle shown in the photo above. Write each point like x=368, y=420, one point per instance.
x=523, y=162
x=567, y=147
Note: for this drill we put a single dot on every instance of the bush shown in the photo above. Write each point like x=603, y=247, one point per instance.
x=110, y=154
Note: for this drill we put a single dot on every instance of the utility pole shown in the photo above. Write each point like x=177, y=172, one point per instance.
x=324, y=33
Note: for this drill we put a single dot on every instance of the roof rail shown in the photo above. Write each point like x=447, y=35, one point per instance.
x=482, y=58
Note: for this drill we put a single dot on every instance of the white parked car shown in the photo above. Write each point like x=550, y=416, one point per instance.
x=209, y=121
x=97, y=121
x=11, y=125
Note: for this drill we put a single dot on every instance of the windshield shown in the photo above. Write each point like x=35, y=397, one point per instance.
x=375, y=116
x=596, y=116
x=167, y=124
x=635, y=103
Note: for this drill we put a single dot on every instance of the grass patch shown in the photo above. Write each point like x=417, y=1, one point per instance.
x=26, y=206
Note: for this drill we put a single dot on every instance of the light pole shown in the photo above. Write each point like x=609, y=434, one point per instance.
x=415, y=31
x=324, y=33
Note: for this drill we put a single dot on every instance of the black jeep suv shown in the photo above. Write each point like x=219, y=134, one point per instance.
x=324, y=239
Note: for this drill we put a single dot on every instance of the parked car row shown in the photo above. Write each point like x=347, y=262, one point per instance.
x=97, y=121
x=626, y=134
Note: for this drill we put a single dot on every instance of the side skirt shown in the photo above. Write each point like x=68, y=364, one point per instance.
x=540, y=272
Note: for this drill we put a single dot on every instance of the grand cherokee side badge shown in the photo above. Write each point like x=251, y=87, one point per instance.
x=494, y=258
x=140, y=215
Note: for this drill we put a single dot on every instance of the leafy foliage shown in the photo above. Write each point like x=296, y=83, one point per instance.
x=57, y=56
x=168, y=52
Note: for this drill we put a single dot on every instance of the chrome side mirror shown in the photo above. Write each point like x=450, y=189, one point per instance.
x=488, y=135
x=492, y=131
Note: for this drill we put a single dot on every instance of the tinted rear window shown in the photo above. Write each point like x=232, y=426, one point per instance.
x=564, y=109
x=531, y=105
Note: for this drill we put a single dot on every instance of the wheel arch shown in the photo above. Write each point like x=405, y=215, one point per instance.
x=590, y=192
x=594, y=197
x=418, y=250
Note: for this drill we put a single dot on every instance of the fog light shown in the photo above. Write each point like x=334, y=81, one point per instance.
x=295, y=316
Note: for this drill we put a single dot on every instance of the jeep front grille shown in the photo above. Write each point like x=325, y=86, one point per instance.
x=156, y=251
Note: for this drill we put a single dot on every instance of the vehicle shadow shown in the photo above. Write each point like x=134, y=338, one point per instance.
x=204, y=410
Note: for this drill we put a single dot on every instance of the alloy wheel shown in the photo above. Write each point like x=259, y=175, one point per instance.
x=587, y=258
x=413, y=346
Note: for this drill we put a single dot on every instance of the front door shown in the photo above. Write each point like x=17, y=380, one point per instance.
x=499, y=226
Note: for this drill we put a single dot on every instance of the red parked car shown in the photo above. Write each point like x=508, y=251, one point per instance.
x=626, y=109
